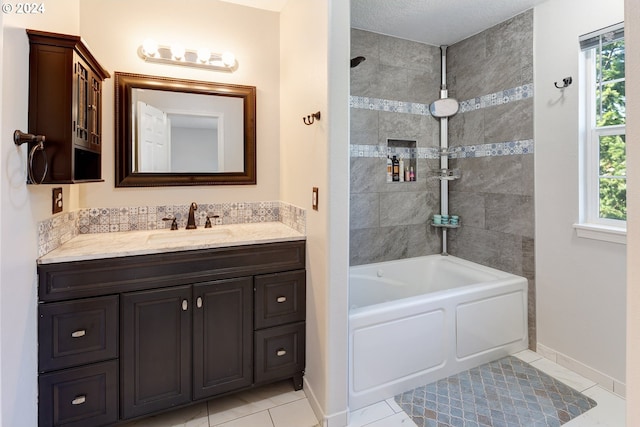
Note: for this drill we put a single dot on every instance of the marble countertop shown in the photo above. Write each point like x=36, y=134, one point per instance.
x=112, y=245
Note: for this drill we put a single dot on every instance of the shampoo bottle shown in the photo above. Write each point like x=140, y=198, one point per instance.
x=396, y=169
x=389, y=169
x=412, y=175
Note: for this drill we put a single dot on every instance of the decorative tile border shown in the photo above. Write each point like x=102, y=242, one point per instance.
x=378, y=104
x=491, y=100
x=509, y=148
x=497, y=98
x=59, y=229
x=382, y=151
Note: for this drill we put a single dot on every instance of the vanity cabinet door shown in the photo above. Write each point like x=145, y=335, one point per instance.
x=155, y=362
x=81, y=102
x=222, y=336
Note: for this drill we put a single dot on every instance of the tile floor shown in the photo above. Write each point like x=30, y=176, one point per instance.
x=277, y=405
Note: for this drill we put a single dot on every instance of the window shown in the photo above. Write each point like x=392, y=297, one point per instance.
x=604, y=155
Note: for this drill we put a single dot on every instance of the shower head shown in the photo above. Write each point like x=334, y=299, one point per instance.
x=356, y=61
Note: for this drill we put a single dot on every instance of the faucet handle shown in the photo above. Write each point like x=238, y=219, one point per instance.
x=207, y=224
x=174, y=224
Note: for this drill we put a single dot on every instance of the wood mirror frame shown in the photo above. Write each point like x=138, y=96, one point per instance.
x=126, y=176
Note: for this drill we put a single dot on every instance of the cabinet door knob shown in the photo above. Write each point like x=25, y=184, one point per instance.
x=185, y=305
x=79, y=400
x=281, y=299
x=281, y=352
x=199, y=302
x=79, y=333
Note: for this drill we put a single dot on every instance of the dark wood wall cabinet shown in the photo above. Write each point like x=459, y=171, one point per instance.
x=123, y=338
x=65, y=105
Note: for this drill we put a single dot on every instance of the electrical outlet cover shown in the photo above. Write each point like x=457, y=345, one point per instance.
x=57, y=200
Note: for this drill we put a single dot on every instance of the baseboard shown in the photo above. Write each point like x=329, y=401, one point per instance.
x=603, y=380
x=340, y=419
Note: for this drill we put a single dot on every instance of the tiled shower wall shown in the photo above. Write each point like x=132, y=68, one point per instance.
x=389, y=220
x=494, y=197
x=490, y=139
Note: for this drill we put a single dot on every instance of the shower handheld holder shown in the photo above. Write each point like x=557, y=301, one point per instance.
x=20, y=138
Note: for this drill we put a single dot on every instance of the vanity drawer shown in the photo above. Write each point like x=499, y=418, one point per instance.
x=280, y=352
x=280, y=298
x=77, y=332
x=79, y=397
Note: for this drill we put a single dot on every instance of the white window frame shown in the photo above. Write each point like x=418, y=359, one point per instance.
x=590, y=225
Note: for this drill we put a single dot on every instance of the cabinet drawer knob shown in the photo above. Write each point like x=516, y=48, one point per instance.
x=199, y=302
x=185, y=305
x=78, y=333
x=79, y=400
x=281, y=352
x=281, y=299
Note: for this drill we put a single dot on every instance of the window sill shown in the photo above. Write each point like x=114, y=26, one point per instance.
x=605, y=233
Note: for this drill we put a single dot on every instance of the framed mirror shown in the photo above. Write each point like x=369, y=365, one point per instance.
x=183, y=132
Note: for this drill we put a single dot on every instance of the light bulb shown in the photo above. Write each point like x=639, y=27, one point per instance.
x=150, y=47
x=228, y=59
x=204, y=55
x=177, y=50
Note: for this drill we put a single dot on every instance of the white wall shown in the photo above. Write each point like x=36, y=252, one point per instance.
x=21, y=207
x=114, y=29
x=632, y=35
x=580, y=283
x=314, y=51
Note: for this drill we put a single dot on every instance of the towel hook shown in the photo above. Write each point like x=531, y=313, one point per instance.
x=566, y=82
x=311, y=118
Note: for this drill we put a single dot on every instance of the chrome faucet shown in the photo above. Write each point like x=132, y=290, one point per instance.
x=191, y=222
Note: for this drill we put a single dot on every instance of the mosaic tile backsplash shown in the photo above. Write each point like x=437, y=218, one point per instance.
x=62, y=228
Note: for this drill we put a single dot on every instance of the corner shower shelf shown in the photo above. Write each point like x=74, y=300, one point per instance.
x=433, y=224
x=447, y=174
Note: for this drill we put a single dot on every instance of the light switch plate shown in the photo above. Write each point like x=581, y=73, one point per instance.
x=314, y=199
x=57, y=200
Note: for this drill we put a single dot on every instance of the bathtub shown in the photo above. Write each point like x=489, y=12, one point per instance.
x=418, y=320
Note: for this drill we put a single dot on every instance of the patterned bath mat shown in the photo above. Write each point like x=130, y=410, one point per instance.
x=504, y=393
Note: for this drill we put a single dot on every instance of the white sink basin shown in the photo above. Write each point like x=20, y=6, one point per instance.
x=200, y=235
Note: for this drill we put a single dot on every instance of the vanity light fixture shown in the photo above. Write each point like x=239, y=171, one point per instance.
x=176, y=54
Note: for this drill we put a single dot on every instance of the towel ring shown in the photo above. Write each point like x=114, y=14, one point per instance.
x=20, y=138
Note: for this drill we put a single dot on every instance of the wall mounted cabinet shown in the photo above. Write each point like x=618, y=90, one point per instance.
x=123, y=338
x=65, y=105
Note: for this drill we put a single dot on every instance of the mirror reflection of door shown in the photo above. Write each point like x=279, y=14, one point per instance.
x=154, y=139
x=196, y=141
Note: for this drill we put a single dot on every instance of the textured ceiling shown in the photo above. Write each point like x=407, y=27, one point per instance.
x=435, y=22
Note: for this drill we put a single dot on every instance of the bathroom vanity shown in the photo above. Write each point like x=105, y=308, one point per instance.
x=162, y=324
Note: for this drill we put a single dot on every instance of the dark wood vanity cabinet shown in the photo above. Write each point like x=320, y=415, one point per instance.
x=65, y=105
x=127, y=337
